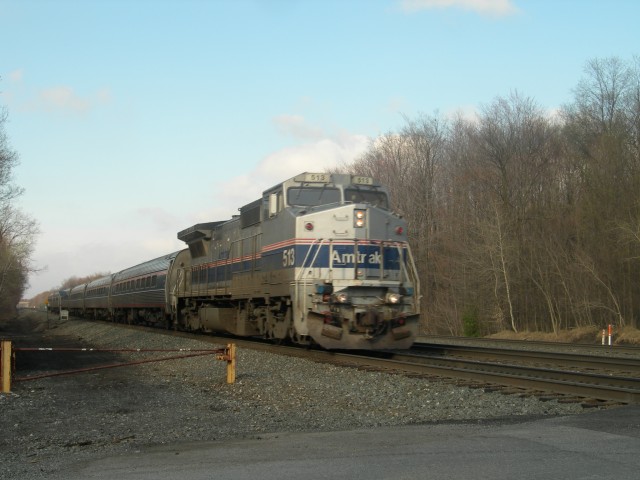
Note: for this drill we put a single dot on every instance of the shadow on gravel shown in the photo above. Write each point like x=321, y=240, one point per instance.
x=30, y=330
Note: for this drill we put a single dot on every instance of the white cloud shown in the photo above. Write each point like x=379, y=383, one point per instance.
x=61, y=98
x=141, y=234
x=296, y=126
x=110, y=248
x=498, y=8
x=157, y=217
x=65, y=99
x=16, y=75
x=313, y=156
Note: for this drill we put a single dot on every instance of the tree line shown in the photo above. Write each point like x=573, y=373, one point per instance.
x=18, y=231
x=521, y=219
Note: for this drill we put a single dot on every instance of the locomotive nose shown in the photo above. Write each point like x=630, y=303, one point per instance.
x=370, y=318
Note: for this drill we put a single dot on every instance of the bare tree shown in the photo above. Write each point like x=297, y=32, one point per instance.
x=17, y=230
x=601, y=129
x=520, y=220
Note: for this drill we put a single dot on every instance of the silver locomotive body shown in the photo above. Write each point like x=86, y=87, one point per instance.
x=318, y=259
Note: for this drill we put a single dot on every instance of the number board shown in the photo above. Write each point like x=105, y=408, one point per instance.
x=361, y=180
x=314, y=178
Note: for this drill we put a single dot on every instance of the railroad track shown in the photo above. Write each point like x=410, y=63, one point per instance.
x=576, y=377
x=580, y=376
x=568, y=376
x=585, y=348
x=557, y=357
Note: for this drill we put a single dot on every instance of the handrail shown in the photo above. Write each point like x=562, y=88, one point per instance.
x=412, y=275
x=303, y=267
x=320, y=242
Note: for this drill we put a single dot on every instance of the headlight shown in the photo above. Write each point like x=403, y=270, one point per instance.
x=359, y=218
x=341, y=297
x=393, y=298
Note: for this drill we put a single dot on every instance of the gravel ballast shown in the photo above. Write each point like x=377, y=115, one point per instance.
x=51, y=423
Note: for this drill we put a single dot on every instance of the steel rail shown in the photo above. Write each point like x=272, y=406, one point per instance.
x=581, y=384
x=517, y=344
x=564, y=359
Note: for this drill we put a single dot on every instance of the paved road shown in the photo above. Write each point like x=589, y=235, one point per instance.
x=596, y=445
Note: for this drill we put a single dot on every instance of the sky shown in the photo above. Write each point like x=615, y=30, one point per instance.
x=135, y=119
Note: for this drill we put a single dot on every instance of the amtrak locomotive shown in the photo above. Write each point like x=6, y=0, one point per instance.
x=318, y=259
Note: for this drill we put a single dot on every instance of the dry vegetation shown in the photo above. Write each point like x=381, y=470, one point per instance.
x=588, y=335
x=520, y=220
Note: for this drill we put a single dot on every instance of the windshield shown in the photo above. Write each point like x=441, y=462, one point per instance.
x=356, y=195
x=311, y=196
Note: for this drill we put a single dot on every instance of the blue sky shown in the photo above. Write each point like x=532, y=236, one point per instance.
x=135, y=119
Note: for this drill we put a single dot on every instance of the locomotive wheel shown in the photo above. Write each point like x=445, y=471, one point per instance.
x=278, y=326
x=295, y=336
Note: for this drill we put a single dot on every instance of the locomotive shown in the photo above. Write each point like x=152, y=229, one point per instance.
x=318, y=259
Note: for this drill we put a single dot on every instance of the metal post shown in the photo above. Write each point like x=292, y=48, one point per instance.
x=229, y=356
x=5, y=365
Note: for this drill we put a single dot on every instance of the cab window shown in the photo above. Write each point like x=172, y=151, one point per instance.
x=312, y=196
x=356, y=195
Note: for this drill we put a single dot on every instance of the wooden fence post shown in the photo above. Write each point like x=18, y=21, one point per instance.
x=231, y=363
x=5, y=365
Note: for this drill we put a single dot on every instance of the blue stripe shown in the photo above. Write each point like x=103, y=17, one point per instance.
x=343, y=256
x=369, y=257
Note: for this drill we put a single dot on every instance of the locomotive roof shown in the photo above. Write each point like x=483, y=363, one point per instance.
x=325, y=178
x=250, y=213
x=198, y=231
